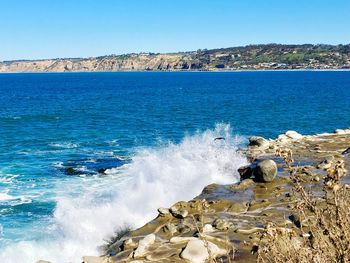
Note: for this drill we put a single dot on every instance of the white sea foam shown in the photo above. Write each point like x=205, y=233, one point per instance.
x=6, y=178
x=66, y=145
x=6, y=197
x=156, y=177
x=58, y=164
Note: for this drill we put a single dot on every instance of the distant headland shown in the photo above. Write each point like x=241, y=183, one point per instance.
x=251, y=57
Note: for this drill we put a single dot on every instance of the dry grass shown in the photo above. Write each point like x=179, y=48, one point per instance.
x=109, y=247
x=323, y=232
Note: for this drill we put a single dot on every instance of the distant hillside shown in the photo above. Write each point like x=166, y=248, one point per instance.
x=253, y=57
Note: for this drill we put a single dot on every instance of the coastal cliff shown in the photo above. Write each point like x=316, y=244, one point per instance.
x=292, y=197
x=252, y=57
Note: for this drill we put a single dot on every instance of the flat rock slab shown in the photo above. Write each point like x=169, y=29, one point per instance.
x=225, y=192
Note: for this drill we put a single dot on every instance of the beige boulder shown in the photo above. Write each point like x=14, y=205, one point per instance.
x=265, y=171
x=197, y=251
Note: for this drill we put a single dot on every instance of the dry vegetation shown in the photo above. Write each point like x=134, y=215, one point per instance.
x=322, y=222
x=108, y=247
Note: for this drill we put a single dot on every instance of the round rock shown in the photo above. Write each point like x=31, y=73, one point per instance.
x=265, y=171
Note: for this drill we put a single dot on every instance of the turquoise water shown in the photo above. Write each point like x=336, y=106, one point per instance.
x=83, y=153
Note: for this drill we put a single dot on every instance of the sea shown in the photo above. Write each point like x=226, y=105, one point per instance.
x=85, y=154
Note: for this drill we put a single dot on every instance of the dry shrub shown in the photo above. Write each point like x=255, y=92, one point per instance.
x=109, y=247
x=323, y=230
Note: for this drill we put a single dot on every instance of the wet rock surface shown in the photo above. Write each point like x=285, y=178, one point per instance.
x=231, y=218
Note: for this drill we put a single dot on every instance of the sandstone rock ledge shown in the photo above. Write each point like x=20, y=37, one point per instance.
x=225, y=222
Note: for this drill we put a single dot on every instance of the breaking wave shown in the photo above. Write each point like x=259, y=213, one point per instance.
x=156, y=177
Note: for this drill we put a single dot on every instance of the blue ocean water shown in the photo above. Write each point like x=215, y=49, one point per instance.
x=83, y=153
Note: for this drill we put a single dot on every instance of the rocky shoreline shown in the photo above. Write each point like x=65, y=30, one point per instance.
x=226, y=223
x=251, y=57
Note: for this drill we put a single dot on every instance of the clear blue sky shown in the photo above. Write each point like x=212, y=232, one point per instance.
x=32, y=29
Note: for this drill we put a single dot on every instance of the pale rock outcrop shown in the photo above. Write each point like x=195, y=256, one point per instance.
x=176, y=240
x=197, y=251
x=294, y=135
x=342, y=131
x=282, y=138
x=143, y=246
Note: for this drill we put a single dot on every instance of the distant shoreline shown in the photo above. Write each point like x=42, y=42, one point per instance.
x=270, y=57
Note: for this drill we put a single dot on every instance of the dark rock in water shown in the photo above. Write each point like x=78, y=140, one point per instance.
x=265, y=171
x=346, y=152
x=102, y=170
x=90, y=167
x=101, y=165
x=72, y=171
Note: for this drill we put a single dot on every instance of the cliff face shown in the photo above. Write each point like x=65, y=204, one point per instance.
x=271, y=56
x=139, y=62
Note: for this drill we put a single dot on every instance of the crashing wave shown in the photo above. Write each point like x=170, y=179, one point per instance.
x=156, y=177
